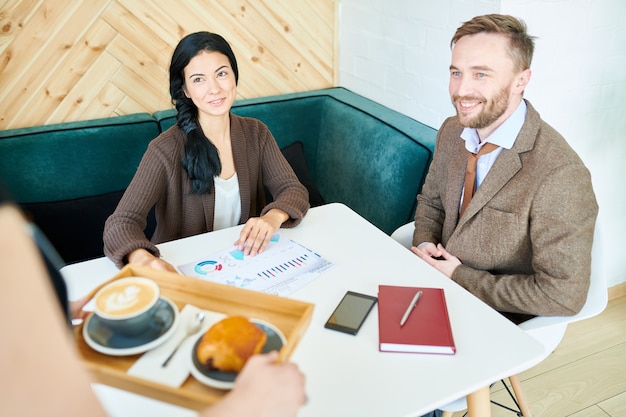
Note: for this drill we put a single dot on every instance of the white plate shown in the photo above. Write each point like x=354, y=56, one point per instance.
x=226, y=380
x=104, y=340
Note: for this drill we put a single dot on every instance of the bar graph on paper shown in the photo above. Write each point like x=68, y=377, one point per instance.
x=281, y=269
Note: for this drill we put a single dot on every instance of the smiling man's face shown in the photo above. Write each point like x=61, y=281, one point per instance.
x=484, y=86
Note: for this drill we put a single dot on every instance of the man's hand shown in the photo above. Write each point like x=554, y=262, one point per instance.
x=437, y=257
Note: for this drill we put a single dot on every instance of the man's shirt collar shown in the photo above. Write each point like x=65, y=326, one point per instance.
x=504, y=136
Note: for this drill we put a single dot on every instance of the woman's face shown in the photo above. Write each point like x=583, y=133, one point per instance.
x=210, y=83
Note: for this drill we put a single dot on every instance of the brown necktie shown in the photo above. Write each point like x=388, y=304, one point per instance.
x=470, y=174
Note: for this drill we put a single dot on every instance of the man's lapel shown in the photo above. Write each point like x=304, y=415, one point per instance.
x=506, y=165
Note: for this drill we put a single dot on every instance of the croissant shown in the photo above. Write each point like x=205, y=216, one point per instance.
x=229, y=343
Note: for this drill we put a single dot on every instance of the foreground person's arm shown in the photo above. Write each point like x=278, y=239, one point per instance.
x=36, y=352
x=42, y=374
x=264, y=388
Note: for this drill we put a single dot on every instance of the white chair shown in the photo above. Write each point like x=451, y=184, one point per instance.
x=549, y=331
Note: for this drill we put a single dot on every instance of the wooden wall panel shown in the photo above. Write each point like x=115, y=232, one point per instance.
x=67, y=60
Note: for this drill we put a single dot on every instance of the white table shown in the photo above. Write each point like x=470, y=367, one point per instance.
x=347, y=375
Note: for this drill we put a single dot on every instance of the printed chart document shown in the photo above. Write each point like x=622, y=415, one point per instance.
x=427, y=329
x=282, y=268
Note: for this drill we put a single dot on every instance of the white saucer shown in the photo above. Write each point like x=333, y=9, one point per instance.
x=226, y=380
x=104, y=340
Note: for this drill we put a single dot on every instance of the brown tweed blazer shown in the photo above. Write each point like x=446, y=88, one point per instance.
x=525, y=238
x=162, y=182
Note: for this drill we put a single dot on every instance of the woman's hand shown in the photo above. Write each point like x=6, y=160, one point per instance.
x=258, y=231
x=142, y=257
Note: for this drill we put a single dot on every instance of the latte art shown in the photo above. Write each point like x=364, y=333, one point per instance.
x=123, y=300
x=126, y=297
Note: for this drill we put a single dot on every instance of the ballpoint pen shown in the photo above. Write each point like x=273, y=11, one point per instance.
x=410, y=308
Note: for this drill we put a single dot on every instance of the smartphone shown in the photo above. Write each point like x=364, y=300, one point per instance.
x=351, y=312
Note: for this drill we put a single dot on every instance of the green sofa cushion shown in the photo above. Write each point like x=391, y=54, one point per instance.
x=369, y=166
x=74, y=160
x=360, y=153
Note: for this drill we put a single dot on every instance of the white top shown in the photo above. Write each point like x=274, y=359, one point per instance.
x=227, y=203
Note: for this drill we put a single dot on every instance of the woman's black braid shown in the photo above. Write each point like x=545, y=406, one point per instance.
x=201, y=159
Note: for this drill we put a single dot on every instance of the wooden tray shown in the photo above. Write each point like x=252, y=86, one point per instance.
x=292, y=317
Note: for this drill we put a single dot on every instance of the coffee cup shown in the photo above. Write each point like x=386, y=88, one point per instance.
x=127, y=305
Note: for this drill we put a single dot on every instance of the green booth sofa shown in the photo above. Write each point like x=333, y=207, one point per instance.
x=345, y=148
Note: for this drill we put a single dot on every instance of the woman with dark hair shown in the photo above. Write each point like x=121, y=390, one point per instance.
x=208, y=171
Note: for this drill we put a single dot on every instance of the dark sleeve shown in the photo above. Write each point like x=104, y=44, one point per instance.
x=54, y=263
x=52, y=259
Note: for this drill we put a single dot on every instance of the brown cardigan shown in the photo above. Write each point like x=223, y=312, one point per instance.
x=525, y=238
x=161, y=181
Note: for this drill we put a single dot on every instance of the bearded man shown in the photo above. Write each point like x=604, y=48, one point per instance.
x=521, y=242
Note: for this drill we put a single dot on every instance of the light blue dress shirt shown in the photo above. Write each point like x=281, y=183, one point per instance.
x=504, y=136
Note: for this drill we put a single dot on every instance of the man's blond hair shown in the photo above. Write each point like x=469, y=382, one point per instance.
x=522, y=45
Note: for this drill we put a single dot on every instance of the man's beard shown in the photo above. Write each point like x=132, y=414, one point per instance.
x=491, y=112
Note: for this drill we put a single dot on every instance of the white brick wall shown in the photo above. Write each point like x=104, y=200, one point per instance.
x=396, y=52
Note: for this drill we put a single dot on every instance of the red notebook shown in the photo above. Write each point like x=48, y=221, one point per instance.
x=427, y=329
